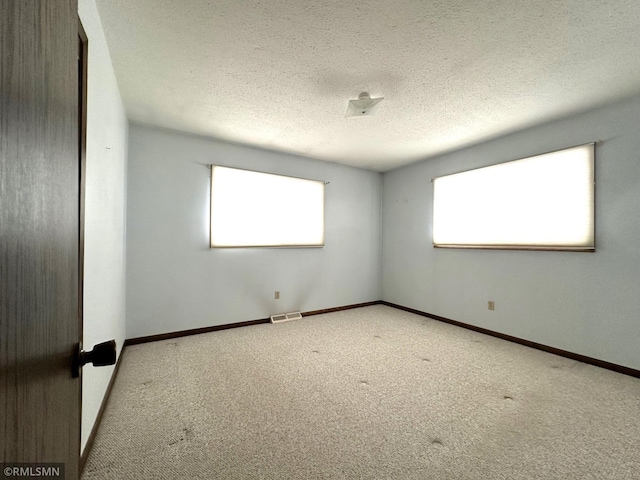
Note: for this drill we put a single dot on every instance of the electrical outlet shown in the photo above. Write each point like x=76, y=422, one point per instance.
x=491, y=305
x=277, y=295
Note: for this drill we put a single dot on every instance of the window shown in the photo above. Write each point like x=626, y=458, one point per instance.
x=544, y=202
x=254, y=209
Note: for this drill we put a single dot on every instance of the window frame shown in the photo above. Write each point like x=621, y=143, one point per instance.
x=278, y=246
x=530, y=247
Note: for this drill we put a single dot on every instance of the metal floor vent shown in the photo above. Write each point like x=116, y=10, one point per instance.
x=285, y=317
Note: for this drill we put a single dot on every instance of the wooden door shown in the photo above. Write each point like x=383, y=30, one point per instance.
x=39, y=232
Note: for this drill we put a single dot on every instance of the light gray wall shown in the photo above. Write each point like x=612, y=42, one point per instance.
x=105, y=218
x=587, y=303
x=176, y=282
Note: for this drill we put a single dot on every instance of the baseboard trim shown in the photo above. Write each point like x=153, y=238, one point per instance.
x=196, y=331
x=538, y=346
x=103, y=406
x=338, y=309
x=193, y=331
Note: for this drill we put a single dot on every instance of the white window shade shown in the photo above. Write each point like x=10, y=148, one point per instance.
x=254, y=209
x=544, y=202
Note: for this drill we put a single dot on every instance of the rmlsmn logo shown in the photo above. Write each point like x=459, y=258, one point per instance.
x=17, y=471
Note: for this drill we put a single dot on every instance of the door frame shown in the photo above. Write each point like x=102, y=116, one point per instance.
x=83, y=69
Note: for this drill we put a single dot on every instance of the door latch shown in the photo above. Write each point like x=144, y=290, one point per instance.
x=102, y=354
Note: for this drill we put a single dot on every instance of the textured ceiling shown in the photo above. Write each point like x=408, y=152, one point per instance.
x=278, y=74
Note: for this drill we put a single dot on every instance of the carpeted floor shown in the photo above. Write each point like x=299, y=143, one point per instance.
x=369, y=393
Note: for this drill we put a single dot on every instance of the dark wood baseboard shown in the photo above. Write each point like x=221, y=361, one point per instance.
x=196, y=331
x=193, y=331
x=538, y=346
x=103, y=406
x=338, y=309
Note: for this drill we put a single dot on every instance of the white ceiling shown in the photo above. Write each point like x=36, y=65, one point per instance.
x=278, y=74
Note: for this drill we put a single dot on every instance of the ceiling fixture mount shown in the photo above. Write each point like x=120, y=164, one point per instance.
x=364, y=106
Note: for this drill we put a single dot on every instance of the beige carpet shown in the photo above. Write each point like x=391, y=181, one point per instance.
x=369, y=393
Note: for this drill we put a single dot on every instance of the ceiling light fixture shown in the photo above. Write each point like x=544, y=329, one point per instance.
x=364, y=106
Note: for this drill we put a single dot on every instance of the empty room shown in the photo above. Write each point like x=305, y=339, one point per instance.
x=323, y=240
